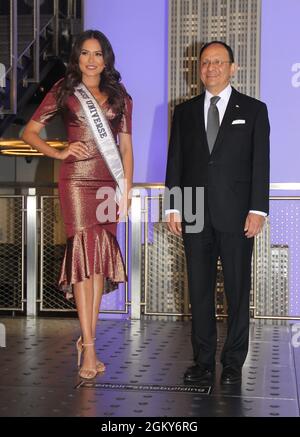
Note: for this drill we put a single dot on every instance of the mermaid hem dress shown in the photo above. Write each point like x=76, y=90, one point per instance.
x=91, y=246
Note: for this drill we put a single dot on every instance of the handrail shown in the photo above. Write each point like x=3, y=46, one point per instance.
x=138, y=234
x=15, y=58
x=36, y=56
x=56, y=27
x=293, y=186
x=285, y=186
x=32, y=42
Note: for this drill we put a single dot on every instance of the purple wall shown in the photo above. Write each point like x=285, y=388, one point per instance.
x=280, y=89
x=280, y=85
x=138, y=31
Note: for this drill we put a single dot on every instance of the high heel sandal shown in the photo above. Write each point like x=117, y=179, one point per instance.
x=79, y=346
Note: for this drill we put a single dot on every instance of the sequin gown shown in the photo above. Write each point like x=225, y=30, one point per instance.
x=91, y=245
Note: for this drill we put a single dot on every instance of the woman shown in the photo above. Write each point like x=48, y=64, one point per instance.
x=96, y=110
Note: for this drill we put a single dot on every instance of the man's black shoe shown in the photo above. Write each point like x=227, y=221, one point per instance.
x=231, y=375
x=199, y=373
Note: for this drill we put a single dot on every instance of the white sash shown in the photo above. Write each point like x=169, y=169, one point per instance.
x=103, y=136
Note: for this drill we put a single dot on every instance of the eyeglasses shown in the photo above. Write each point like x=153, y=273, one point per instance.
x=214, y=63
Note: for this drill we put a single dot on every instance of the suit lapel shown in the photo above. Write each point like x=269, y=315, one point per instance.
x=199, y=123
x=231, y=112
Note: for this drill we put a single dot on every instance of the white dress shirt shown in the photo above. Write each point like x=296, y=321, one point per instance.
x=221, y=105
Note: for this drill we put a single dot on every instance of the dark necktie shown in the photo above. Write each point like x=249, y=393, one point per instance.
x=213, y=122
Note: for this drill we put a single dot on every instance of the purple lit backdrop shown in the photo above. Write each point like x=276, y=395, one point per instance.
x=280, y=89
x=280, y=86
x=138, y=32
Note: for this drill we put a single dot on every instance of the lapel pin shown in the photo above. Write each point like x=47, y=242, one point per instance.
x=237, y=106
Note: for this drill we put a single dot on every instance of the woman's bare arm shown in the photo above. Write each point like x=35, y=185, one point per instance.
x=127, y=157
x=31, y=136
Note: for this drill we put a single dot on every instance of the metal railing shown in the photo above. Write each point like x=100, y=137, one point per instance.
x=278, y=297
x=154, y=258
x=12, y=252
x=51, y=251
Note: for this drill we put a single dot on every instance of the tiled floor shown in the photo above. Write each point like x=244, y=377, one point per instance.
x=145, y=362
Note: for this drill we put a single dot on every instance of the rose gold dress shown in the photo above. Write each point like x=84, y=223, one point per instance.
x=91, y=245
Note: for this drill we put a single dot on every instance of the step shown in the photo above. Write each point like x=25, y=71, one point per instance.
x=5, y=55
x=24, y=18
x=25, y=23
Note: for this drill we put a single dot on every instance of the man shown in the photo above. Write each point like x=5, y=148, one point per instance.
x=220, y=141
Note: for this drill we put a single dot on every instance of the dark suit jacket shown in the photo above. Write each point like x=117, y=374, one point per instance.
x=236, y=174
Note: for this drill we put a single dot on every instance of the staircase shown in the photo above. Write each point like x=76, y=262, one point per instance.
x=25, y=34
x=36, y=57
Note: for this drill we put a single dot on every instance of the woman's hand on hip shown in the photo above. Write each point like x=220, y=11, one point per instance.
x=76, y=148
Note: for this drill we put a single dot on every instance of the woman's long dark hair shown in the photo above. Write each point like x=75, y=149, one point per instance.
x=110, y=77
